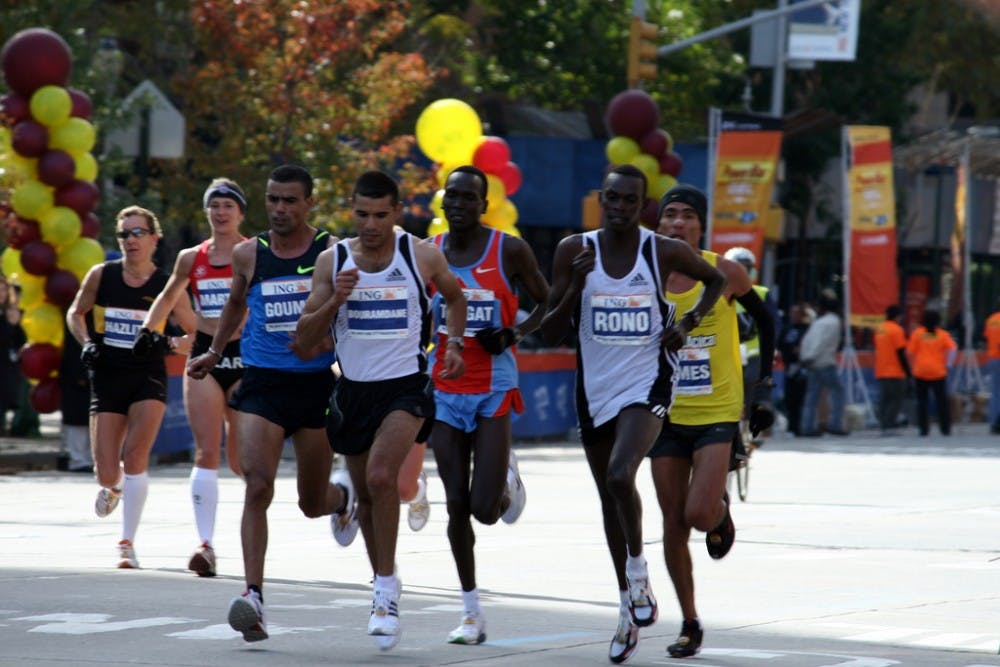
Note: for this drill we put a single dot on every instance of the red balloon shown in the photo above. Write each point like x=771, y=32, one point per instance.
x=61, y=287
x=81, y=196
x=34, y=58
x=82, y=107
x=56, y=168
x=38, y=360
x=90, y=226
x=46, y=396
x=38, y=258
x=671, y=163
x=491, y=155
x=632, y=113
x=510, y=174
x=655, y=143
x=14, y=108
x=20, y=231
x=29, y=139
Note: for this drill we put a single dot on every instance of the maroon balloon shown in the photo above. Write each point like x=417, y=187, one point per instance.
x=671, y=163
x=38, y=360
x=34, y=58
x=81, y=196
x=632, y=113
x=61, y=287
x=46, y=396
x=648, y=217
x=38, y=258
x=56, y=168
x=655, y=143
x=491, y=155
x=14, y=108
x=510, y=174
x=90, y=226
x=82, y=107
x=29, y=139
x=19, y=232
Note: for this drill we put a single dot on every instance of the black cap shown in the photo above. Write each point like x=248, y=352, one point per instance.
x=686, y=194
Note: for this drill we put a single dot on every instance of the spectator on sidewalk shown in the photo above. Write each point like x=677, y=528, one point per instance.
x=818, y=354
x=795, y=374
x=932, y=351
x=11, y=339
x=892, y=369
x=991, y=331
x=74, y=406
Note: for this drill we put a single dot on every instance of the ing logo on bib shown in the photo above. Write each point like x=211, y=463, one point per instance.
x=621, y=319
x=378, y=312
x=283, y=302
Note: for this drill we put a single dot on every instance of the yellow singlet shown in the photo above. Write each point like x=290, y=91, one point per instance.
x=710, y=375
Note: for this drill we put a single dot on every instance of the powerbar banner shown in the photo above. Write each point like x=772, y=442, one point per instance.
x=747, y=151
x=871, y=220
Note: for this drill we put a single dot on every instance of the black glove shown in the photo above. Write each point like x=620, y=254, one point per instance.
x=495, y=340
x=149, y=342
x=89, y=354
x=761, y=408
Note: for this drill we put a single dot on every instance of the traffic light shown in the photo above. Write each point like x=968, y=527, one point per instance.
x=641, y=51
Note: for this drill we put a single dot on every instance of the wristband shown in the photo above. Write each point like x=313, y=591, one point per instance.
x=211, y=350
x=457, y=341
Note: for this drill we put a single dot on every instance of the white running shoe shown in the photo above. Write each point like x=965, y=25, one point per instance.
x=515, y=489
x=345, y=524
x=420, y=508
x=246, y=615
x=203, y=561
x=642, y=604
x=626, y=639
x=383, y=625
x=126, y=556
x=107, y=501
x=472, y=629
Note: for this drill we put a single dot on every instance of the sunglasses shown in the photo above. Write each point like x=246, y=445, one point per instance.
x=137, y=232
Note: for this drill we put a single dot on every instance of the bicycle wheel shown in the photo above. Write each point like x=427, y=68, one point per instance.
x=743, y=479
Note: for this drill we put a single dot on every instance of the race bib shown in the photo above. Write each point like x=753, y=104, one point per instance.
x=212, y=295
x=482, y=306
x=121, y=326
x=378, y=313
x=283, y=302
x=621, y=319
x=694, y=372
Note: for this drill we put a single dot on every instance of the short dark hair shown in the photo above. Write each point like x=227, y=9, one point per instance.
x=293, y=173
x=376, y=184
x=892, y=312
x=931, y=320
x=633, y=172
x=475, y=171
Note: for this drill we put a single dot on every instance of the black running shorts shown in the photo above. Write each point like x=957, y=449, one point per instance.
x=681, y=441
x=114, y=389
x=291, y=400
x=229, y=370
x=358, y=408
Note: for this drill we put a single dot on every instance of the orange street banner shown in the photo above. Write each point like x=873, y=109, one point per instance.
x=871, y=220
x=747, y=151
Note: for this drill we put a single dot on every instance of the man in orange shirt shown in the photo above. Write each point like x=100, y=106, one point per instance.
x=892, y=370
x=991, y=331
x=932, y=351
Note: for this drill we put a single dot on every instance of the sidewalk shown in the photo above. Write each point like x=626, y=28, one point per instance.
x=42, y=453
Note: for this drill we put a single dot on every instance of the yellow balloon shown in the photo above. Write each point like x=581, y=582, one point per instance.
x=59, y=225
x=43, y=324
x=503, y=216
x=647, y=164
x=448, y=130
x=26, y=167
x=436, y=202
x=444, y=171
x=79, y=256
x=10, y=264
x=437, y=226
x=496, y=193
x=31, y=199
x=51, y=105
x=659, y=185
x=620, y=150
x=32, y=290
x=74, y=136
x=86, y=167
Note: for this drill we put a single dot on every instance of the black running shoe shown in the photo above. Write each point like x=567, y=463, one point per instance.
x=688, y=641
x=720, y=539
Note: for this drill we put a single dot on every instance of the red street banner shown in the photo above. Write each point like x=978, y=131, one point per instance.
x=746, y=159
x=871, y=217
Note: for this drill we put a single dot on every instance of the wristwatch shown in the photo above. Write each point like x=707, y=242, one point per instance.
x=457, y=341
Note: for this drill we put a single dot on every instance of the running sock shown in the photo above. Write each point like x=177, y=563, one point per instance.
x=421, y=490
x=635, y=565
x=470, y=600
x=624, y=597
x=383, y=583
x=205, y=499
x=256, y=589
x=134, y=492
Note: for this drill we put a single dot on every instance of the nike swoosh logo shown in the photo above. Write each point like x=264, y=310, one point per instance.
x=304, y=269
x=480, y=269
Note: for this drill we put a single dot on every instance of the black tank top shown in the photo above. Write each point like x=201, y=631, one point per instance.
x=117, y=316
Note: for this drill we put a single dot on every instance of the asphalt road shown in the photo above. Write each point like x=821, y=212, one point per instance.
x=855, y=551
